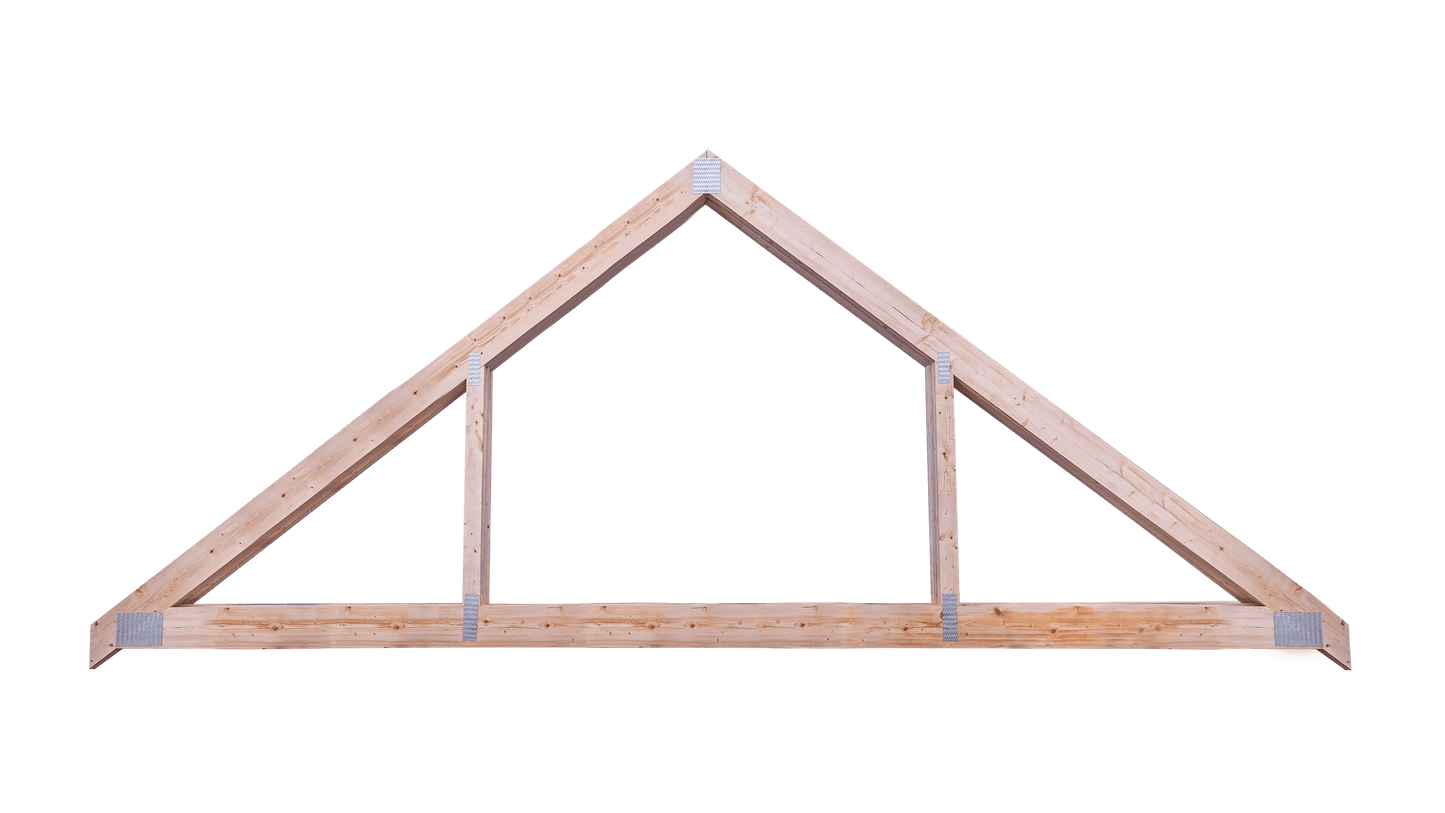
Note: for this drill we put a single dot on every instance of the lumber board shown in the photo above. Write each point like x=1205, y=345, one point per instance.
x=931, y=450
x=477, y=490
x=1118, y=625
x=1260, y=588
x=942, y=485
x=829, y=625
x=1215, y=552
x=392, y=419
x=1231, y=564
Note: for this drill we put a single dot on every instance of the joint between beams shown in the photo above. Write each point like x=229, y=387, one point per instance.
x=1299, y=629
x=139, y=629
x=950, y=616
x=707, y=176
x=470, y=606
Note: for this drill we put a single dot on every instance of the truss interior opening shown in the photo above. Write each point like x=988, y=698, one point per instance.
x=709, y=427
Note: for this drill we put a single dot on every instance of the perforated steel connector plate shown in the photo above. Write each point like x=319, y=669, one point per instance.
x=139, y=629
x=471, y=603
x=1299, y=629
x=950, y=616
x=945, y=367
x=474, y=370
x=706, y=176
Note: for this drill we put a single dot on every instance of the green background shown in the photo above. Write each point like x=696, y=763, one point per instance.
x=1213, y=236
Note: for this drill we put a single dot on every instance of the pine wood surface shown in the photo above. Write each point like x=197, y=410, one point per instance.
x=477, y=490
x=1260, y=587
x=304, y=626
x=942, y=485
x=1226, y=560
x=402, y=411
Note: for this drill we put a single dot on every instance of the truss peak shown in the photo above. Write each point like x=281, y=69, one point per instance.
x=1269, y=610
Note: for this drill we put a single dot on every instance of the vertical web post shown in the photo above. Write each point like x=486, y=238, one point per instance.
x=477, y=516
x=942, y=481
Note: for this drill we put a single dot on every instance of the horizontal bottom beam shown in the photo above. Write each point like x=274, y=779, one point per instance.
x=1097, y=626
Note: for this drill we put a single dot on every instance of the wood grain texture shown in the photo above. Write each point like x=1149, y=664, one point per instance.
x=1226, y=560
x=1111, y=626
x=304, y=626
x=1260, y=587
x=392, y=419
x=931, y=453
x=477, y=490
x=942, y=485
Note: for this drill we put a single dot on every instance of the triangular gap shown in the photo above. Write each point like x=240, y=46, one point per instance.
x=391, y=535
x=709, y=427
x=1029, y=531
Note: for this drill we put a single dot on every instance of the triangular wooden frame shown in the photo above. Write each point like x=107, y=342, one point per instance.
x=1271, y=610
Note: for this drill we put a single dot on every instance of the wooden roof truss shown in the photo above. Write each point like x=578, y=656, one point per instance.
x=1269, y=609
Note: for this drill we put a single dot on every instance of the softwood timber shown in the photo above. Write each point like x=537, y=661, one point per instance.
x=942, y=483
x=1107, y=626
x=1261, y=588
x=1227, y=561
x=477, y=487
x=402, y=411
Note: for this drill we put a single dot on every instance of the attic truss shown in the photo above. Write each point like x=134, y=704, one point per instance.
x=1270, y=610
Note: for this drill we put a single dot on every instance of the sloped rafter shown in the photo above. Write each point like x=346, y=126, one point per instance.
x=1260, y=588
x=1215, y=552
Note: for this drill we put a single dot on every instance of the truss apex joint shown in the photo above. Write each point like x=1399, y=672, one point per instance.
x=707, y=176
